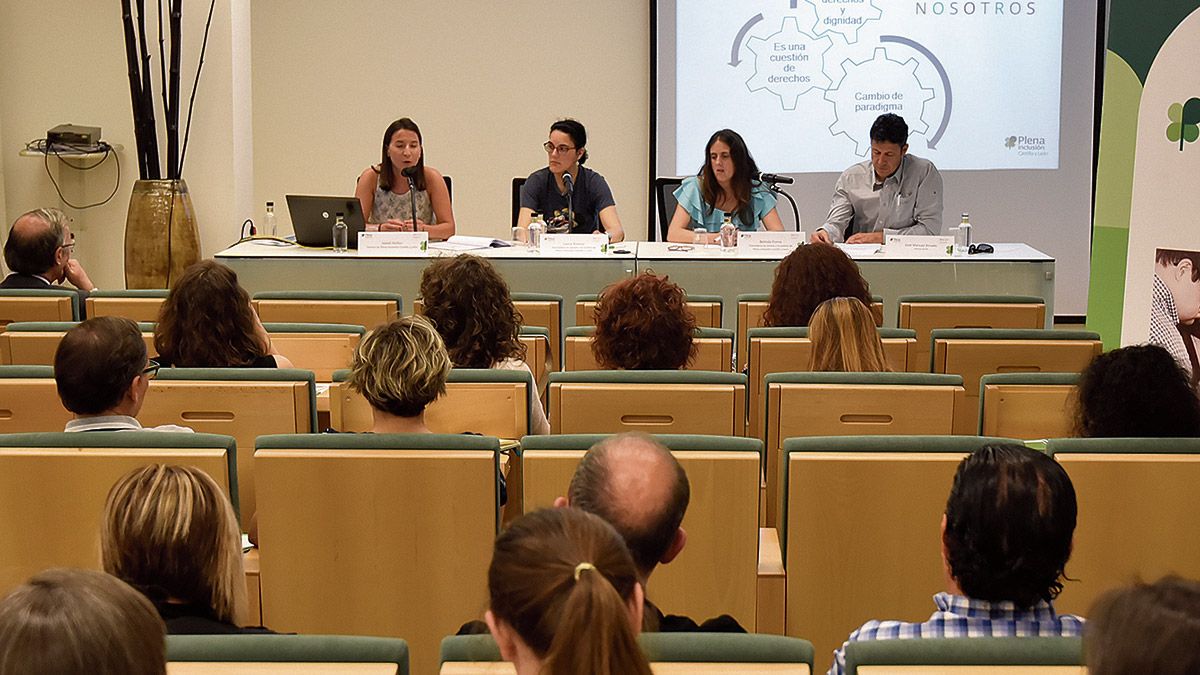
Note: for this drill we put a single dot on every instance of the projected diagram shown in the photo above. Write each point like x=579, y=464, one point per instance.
x=793, y=58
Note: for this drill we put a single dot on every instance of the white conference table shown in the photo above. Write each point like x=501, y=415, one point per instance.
x=1014, y=269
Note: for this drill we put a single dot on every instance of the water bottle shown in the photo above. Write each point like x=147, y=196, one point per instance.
x=340, y=234
x=962, y=237
x=728, y=236
x=270, y=228
x=536, y=227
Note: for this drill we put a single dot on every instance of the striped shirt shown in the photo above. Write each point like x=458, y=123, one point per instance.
x=958, y=616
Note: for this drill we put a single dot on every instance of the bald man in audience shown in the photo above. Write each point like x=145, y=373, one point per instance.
x=103, y=376
x=38, y=254
x=636, y=484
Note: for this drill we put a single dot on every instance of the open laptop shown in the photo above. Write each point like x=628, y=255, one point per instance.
x=313, y=217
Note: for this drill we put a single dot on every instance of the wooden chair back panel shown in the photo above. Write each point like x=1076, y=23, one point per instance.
x=134, y=309
x=30, y=404
x=365, y=313
x=750, y=315
x=32, y=308
x=490, y=408
x=924, y=317
x=785, y=355
x=244, y=410
x=847, y=514
x=708, y=314
x=376, y=542
x=1139, y=518
x=322, y=353
x=52, y=501
x=714, y=354
x=975, y=358
x=538, y=358
x=601, y=408
x=1027, y=411
x=36, y=348
x=849, y=410
x=717, y=571
x=548, y=315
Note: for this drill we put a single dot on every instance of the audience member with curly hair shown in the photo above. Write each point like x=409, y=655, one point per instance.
x=1006, y=538
x=468, y=302
x=207, y=322
x=643, y=323
x=400, y=368
x=1145, y=628
x=845, y=339
x=72, y=622
x=564, y=596
x=1137, y=391
x=809, y=276
x=170, y=532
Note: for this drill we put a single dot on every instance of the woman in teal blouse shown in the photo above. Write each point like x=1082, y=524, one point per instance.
x=725, y=186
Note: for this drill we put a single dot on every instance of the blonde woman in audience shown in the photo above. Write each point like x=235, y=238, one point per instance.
x=80, y=622
x=565, y=597
x=207, y=322
x=643, y=323
x=170, y=532
x=844, y=338
x=400, y=368
x=1145, y=628
x=468, y=302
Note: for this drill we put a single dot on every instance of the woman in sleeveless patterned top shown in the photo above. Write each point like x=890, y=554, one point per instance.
x=383, y=189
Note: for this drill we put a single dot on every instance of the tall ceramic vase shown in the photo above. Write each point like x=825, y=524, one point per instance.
x=161, y=238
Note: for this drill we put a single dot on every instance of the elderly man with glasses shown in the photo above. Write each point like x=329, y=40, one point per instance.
x=103, y=375
x=38, y=253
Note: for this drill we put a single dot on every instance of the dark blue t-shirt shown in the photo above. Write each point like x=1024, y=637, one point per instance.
x=591, y=196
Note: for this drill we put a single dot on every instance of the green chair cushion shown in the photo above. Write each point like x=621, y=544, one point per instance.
x=313, y=328
x=1030, y=378
x=992, y=299
x=592, y=297
x=1111, y=446
x=926, y=379
x=696, y=442
x=26, y=372
x=61, y=326
x=665, y=648
x=331, y=295
x=978, y=651
x=700, y=332
x=537, y=297
x=131, y=293
x=289, y=649
x=470, y=648
x=1012, y=334
x=649, y=377
x=802, y=332
x=535, y=330
x=753, y=297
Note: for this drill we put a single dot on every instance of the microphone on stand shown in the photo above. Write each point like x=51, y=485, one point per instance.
x=569, y=183
x=774, y=179
x=409, y=172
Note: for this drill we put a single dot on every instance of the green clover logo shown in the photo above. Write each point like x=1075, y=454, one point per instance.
x=1185, y=122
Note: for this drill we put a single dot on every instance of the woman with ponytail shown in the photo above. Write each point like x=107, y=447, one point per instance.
x=564, y=595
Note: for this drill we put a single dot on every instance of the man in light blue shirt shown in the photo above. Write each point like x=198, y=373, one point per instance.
x=893, y=193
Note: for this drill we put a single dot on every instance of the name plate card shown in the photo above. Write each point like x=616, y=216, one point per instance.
x=393, y=244
x=575, y=244
x=918, y=246
x=770, y=243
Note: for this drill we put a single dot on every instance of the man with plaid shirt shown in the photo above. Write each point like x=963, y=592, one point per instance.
x=1176, y=301
x=1006, y=538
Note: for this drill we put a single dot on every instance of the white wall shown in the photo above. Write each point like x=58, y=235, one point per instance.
x=483, y=80
x=63, y=61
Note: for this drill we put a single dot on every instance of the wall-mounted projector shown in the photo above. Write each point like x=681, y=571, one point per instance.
x=73, y=134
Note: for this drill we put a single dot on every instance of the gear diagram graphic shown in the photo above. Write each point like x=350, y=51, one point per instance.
x=789, y=63
x=857, y=101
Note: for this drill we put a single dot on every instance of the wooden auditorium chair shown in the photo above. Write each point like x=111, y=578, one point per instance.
x=377, y=534
x=356, y=308
x=319, y=347
x=49, y=304
x=668, y=653
x=286, y=654
x=53, y=487
x=1139, y=517
x=752, y=306
x=925, y=313
x=244, y=403
x=851, y=404
x=653, y=401
x=714, y=349
x=718, y=571
x=1028, y=406
x=141, y=305
x=786, y=350
x=860, y=528
x=33, y=343
x=975, y=352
